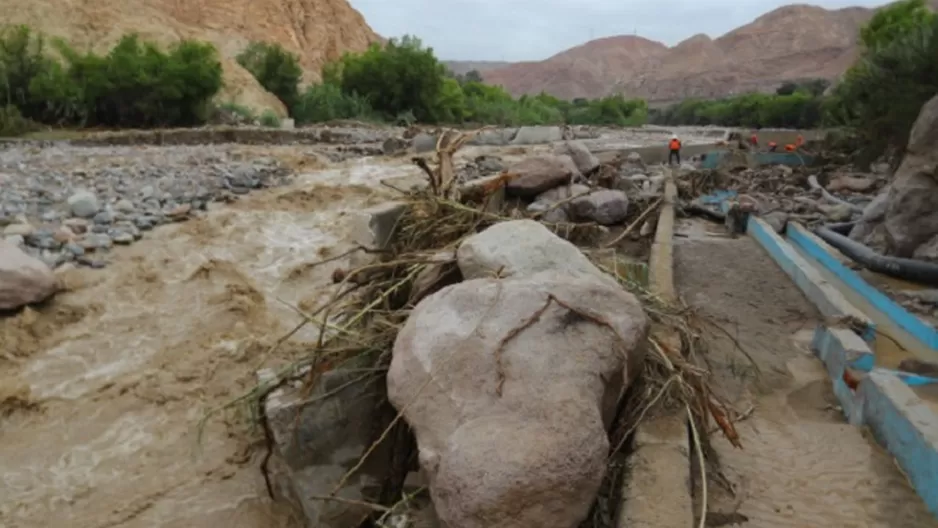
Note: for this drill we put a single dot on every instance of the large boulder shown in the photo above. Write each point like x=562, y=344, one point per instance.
x=495, y=138
x=522, y=248
x=912, y=212
x=605, y=207
x=873, y=215
x=23, y=279
x=584, y=160
x=538, y=174
x=510, y=394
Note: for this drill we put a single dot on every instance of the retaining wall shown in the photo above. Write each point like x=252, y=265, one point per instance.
x=870, y=396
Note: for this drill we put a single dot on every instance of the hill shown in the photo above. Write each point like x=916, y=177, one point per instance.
x=317, y=30
x=789, y=43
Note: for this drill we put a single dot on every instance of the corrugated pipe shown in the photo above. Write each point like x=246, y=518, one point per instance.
x=901, y=268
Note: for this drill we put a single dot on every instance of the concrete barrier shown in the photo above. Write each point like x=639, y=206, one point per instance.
x=818, y=290
x=827, y=257
x=654, y=495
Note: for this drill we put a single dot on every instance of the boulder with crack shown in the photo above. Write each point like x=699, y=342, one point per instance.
x=510, y=384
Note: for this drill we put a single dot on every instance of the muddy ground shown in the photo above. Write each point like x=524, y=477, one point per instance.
x=802, y=464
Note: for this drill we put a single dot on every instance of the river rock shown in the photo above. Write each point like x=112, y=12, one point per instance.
x=23, y=279
x=584, y=160
x=539, y=174
x=513, y=434
x=83, y=204
x=533, y=135
x=605, y=206
x=850, y=183
x=912, y=212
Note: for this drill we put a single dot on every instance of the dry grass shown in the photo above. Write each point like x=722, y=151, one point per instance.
x=358, y=326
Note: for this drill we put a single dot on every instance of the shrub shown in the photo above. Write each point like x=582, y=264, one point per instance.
x=269, y=119
x=275, y=68
x=12, y=122
x=326, y=102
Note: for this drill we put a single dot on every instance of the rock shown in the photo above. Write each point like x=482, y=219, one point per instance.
x=83, y=204
x=394, y=145
x=520, y=247
x=557, y=215
x=533, y=135
x=872, y=216
x=539, y=174
x=605, y=207
x=632, y=165
x=777, y=221
x=850, y=183
x=494, y=138
x=78, y=226
x=18, y=229
x=912, y=212
x=123, y=238
x=489, y=164
x=179, y=212
x=424, y=143
x=23, y=279
x=547, y=199
x=584, y=160
x=514, y=435
x=837, y=212
x=124, y=206
x=16, y=240
x=103, y=217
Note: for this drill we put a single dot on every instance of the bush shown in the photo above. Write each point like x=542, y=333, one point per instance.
x=276, y=69
x=135, y=85
x=12, y=122
x=326, y=102
x=269, y=119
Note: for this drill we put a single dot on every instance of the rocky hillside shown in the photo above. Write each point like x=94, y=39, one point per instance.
x=318, y=30
x=791, y=42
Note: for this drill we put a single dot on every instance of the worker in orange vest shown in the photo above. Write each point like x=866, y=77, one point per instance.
x=773, y=146
x=754, y=140
x=790, y=148
x=674, y=149
x=800, y=141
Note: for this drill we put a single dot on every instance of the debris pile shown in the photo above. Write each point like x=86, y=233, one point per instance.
x=448, y=314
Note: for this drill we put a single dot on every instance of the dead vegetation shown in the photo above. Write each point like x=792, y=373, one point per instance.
x=359, y=324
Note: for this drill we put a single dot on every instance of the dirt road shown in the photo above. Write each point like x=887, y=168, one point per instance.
x=802, y=465
x=103, y=388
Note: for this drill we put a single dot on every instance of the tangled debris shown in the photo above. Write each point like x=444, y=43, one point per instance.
x=358, y=327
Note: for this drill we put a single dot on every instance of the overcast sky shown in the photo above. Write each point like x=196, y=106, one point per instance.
x=516, y=30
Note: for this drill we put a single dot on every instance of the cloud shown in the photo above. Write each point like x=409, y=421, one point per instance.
x=516, y=30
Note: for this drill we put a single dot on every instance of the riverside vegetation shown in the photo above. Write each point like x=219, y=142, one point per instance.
x=137, y=84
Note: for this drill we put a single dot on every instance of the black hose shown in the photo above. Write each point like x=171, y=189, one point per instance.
x=901, y=268
x=705, y=211
x=843, y=228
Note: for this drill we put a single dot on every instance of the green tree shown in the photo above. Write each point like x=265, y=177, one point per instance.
x=892, y=23
x=882, y=93
x=275, y=68
x=401, y=76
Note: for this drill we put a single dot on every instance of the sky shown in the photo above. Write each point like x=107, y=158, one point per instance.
x=519, y=30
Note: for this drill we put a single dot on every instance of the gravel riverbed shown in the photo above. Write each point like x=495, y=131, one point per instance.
x=74, y=204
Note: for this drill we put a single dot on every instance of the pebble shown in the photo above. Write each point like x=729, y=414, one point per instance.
x=65, y=203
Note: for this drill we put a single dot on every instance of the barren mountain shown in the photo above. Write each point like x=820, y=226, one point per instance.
x=792, y=42
x=318, y=30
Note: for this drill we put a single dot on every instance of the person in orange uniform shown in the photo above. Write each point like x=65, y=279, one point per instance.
x=800, y=141
x=754, y=140
x=790, y=148
x=773, y=146
x=674, y=149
